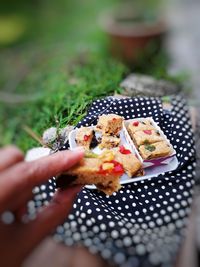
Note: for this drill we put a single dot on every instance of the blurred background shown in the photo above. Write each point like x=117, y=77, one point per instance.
x=57, y=56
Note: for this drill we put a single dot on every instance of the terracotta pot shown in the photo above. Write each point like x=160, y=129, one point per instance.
x=130, y=42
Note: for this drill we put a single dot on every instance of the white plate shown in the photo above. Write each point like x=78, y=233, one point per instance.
x=97, y=150
x=171, y=165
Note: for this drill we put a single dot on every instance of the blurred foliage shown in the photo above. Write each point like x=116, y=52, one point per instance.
x=55, y=64
x=129, y=11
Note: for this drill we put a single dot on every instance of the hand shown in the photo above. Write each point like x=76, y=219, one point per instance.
x=17, y=179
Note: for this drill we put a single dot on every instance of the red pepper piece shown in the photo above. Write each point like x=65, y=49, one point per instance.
x=86, y=137
x=118, y=168
x=101, y=171
x=136, y=123
x=149, y=132
x=123, y=150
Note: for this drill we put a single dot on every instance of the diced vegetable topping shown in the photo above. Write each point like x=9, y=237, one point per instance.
x=136, y=123
x=123, y=150
x=107, y=166
x=107, y=155
x=150, y=148
x=112, y=166
x=149, y=132
x=118, y=168
x=86, y=137
x=146, y=142
x=89, y=154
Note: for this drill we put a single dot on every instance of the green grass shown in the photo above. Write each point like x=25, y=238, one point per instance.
x=62, y=64
x=62, y=94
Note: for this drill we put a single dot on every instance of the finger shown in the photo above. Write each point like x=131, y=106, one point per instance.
x=24, y=176
x=20, y=201
x=49, y=217
x=20, y=207
x=8, y=156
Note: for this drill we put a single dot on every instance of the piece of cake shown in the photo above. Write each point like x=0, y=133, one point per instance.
x=103, y=171
x=155, y=150
x=139, y=125
x=109, y=141
x=131, y=164
x=110, y=124
x=84, y=136
x=147, y=137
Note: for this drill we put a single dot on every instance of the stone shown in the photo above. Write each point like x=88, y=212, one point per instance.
x=144, y=85
x=54, y=138
x=49, y=135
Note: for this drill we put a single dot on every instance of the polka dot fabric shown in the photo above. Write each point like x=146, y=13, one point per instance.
x=128, y=108
x=144, y=223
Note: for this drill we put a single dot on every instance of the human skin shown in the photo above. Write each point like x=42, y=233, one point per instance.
x=17, y=180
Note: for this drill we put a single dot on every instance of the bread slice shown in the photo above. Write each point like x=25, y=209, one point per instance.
x=110, y=124
x=132, y=165
x=139, y=125
x=109, y=141
x=102, y=171
x=84, y=136
x=155, y=150
x=147, y=137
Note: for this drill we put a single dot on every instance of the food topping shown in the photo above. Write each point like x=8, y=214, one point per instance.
x=112, y=166
x=149, y=132
x=107, y=155
x=107, y=166
x=119, y=168
x=136, y=123
x=123, y=150
x=86, y=137
x=150, y=148
x=89, y=154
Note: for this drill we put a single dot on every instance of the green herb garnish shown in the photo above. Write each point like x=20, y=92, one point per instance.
x=146, y=142
x=150, y=148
